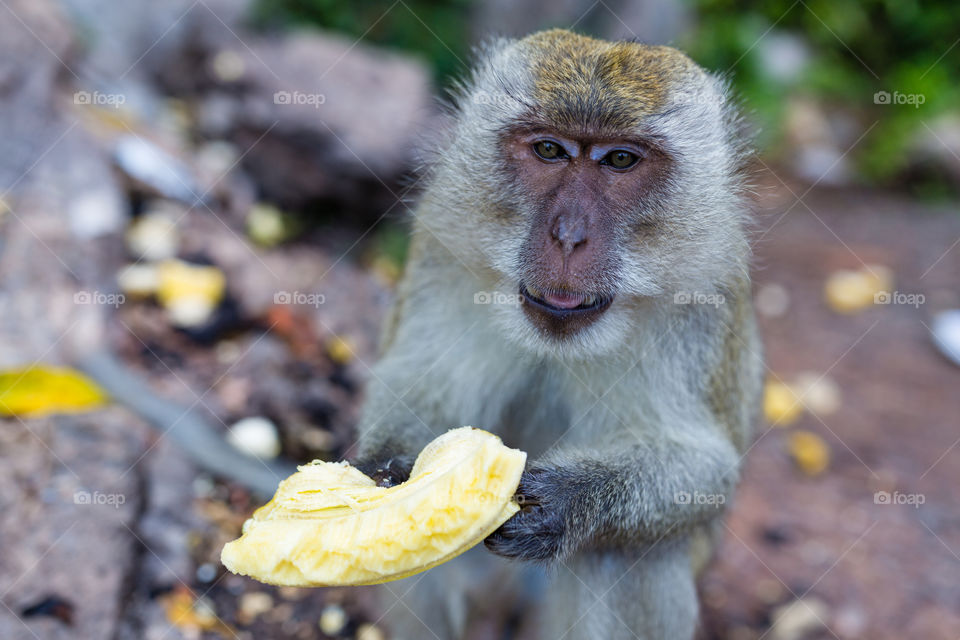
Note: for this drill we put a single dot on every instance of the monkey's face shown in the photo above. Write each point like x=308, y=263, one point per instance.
x=594, y=179
x=580, y=196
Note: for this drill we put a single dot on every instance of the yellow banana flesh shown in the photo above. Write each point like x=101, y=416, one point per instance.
x=330, y=525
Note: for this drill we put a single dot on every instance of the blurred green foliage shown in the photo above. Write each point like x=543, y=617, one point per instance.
x=856, y=48
x=438, y=30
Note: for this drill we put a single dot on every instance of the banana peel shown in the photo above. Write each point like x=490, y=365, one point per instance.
x=330, y=525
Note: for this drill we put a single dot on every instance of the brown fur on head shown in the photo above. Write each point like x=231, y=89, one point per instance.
x=608, y=86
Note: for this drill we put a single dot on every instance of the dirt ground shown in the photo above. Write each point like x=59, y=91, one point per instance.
x=872, y=570
x=862, y=569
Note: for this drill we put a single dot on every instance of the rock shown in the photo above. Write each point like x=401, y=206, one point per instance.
x=798, y=619
x=318, y=116
x=78, y=465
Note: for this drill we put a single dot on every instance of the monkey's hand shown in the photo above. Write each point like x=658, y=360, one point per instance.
x=386, y=471
x=536, y=532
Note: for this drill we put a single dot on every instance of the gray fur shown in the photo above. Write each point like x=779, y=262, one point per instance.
x=652, y=401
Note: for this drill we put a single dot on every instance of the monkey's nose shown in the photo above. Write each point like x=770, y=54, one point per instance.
x=569, y=235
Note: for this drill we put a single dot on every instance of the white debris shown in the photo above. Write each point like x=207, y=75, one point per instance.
x=256, y=436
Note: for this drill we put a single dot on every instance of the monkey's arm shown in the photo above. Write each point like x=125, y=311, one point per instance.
x=647, y=489
x=393, y=426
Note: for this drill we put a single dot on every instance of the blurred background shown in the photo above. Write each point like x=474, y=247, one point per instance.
x=203, y=214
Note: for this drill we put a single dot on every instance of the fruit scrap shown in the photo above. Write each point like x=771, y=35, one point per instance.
x=810, y=453
x=330, y=525
x=781, y=404
x=189, y=292
x=851, y=291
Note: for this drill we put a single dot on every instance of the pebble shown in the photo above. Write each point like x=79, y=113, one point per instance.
x=266, y=225
x=203, y=486
x=772, y=300
x=139, y=280
x=228, y=66
x=206, y=572
x=255, y=603
x=819, y=392
x=256, y=436
x=798, y=619
x=153, y=236
x=332, y=620
x=95, y=212
x=946, y=334
x=370, y=632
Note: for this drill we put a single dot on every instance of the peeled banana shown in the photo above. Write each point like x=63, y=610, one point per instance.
x=330, y=525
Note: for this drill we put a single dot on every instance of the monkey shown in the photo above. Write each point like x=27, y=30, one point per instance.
x=577, y=283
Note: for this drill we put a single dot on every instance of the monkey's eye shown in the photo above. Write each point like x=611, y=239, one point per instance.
x=549, y=150
x=620, y=159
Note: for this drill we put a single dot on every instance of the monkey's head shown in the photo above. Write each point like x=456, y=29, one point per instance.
x=592, y=179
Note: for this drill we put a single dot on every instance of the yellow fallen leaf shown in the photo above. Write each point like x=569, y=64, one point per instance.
x=781, y=405
x=41, y=391
x=810, y=452
x=851, y=291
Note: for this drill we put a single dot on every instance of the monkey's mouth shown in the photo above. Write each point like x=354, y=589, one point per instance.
x=562, y=313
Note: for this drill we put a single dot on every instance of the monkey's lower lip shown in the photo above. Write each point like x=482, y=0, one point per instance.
x=562, y=314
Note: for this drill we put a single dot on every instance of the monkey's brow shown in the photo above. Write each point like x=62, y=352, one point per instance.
x=583, y=135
